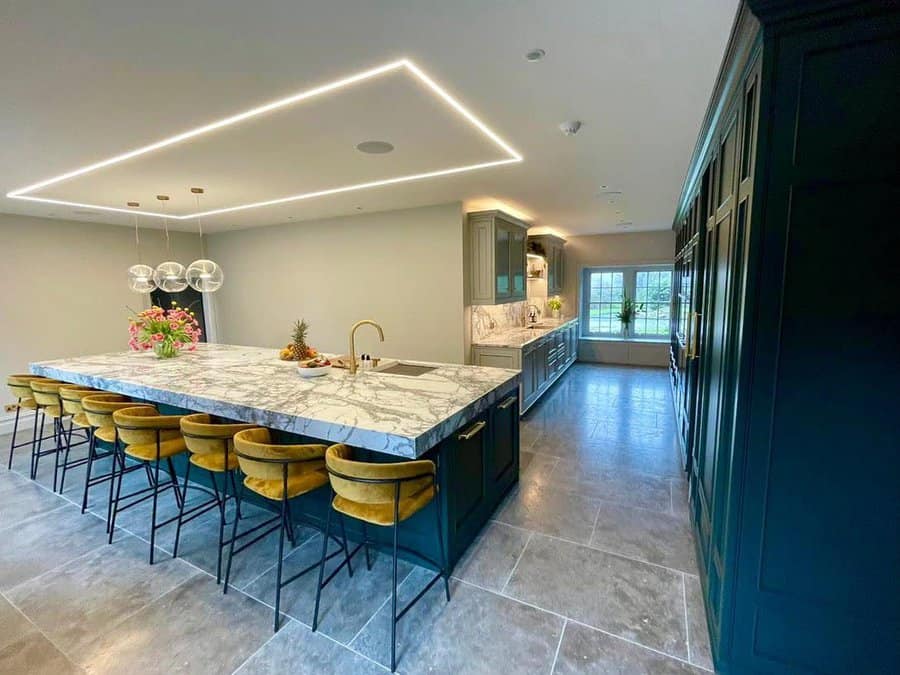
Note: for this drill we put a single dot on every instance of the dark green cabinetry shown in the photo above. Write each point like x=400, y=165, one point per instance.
x=785, y=334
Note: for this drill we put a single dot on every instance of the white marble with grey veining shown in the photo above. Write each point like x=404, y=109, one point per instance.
x=518, y=336
x=395, y=414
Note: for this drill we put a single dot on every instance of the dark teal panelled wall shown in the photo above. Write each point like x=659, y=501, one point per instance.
x=795, y=439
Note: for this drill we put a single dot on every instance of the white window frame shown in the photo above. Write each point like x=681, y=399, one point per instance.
x=629, y=282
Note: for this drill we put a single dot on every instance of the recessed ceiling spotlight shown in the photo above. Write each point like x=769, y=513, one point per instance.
x=374, y=147
x=535, y=55
x=603, y=187
x=359, y=208
x=571, y=127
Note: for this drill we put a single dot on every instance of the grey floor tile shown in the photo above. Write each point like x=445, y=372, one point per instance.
x=680, y=499
x=75, y=604
x=476, y=632
x=491, y=558
x=537, y=468
x=21, y=499
x=47, y=541
x=634, y=600
x=585, y=651
x=347, y=603
x=556, y=512
x=192, y=629
x=35, y=655
x=296, y=649
x=13, y=624
x=613, y=485
x=698, y=633
x=646, y=535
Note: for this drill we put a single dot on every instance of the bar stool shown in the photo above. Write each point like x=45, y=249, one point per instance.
x=70, y=398
x=98, y=412
x=46, y=397
x=280, y=473
x=20, y=388
x=149, y=438
x=383, y=494
x=211, y=445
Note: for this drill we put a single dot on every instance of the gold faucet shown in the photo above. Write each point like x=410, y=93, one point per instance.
x=353, y=344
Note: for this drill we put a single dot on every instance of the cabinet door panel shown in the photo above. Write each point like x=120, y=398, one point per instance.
x=468, y=488
x=517, y=262
x=505, y=423
x=501, y=261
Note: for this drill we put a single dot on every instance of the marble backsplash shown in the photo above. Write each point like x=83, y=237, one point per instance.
x=487, y=319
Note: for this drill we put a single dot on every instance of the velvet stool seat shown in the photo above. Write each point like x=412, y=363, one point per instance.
x=46, y=398
x=211, y=446
x=70, y=399
x=98, y=412
x=149, y=438
x=20, y=388
x=383, y=495
x=280, y=473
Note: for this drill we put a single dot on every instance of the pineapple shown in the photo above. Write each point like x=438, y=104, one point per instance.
x=299, y=349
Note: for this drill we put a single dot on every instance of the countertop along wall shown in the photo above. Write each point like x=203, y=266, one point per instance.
x=65, y=290
x=404, y=269
x=599, y=250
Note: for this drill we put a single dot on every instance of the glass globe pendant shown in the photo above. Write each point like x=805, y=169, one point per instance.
x=140, y=276
x=203, y=275
x=169, y=275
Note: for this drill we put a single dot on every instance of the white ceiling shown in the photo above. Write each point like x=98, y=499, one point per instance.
x=82, y=82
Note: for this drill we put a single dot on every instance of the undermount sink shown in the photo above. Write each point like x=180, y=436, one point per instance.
x=408, y=369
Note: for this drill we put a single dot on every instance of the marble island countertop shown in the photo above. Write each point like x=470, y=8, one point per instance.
x=395, y=414
x=519, y=336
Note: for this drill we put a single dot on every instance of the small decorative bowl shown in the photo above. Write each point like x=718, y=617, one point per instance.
x=312, y=372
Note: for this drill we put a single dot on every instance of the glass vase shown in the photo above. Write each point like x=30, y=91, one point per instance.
x=165, y=350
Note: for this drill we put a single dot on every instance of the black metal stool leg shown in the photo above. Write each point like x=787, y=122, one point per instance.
x=237, y=518
x=155, y=501
x=92, y=448
x=284, y=526
x=325, y=534
x=187, y=476
x=114, y=501
x=65, y=462
x=36, y=442
x=222, y=504
x=440, y=536
x=394, y=584
x=12, y=441
x=366, y=545
x=344, y=546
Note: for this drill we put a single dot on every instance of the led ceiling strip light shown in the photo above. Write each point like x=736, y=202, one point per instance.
x=23, y=193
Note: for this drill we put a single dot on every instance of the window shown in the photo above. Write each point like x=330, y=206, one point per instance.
x=604, y=288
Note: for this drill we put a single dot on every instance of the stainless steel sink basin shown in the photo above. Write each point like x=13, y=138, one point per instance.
x=408, y=369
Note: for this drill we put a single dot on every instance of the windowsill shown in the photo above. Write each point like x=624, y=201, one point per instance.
x=652, y=341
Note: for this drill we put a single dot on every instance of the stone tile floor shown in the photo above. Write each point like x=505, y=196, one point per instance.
x=588, y=567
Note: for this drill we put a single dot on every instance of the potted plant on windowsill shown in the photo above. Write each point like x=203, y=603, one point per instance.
x=626, y=315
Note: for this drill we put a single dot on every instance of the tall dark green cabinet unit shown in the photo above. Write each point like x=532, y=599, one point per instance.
x=786, y=340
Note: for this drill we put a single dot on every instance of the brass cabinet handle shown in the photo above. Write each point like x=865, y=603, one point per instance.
x=508, y=402
x=473, y=431
x=695, y=329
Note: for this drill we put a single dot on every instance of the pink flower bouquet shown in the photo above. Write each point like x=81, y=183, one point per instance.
x=165, y=331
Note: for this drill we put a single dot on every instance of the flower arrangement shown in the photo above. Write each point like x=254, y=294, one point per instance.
x=555, y=304
x=165, y=331
x=630, y=309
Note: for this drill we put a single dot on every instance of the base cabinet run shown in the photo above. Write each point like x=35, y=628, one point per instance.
x=541, y=361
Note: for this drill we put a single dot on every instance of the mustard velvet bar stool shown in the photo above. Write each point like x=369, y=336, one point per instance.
x=46, y=397
x=70, y=399
x=280, y=473
x=211, y=444
x=98, y=413
x=384, y=495
x=20, y=388
x=149, y=438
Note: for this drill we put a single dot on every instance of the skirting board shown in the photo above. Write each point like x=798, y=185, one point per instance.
x=624, y=352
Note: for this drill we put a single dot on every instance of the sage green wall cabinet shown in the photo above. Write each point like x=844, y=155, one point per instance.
x=785, y=327
x=497, y=357
x=496, y=258
x=554, y=252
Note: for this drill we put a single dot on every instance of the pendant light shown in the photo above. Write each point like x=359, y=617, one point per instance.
x=169, y=276
x=140, y=276
x=203, y=275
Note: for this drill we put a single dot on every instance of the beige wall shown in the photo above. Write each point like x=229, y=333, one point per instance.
x=64, y=287
x=597, y=250
x=403, y=269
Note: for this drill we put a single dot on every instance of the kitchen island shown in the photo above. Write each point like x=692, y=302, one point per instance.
x=465, y=418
